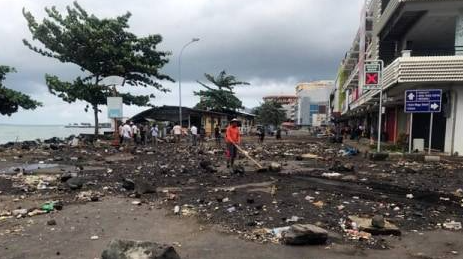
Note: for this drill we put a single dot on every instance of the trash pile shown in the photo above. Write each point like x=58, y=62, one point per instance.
x=313, y=188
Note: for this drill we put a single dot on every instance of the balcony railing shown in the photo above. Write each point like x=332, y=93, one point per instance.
x=386, y=15
x=423, y=69
x=415, y=70
x=351, y=77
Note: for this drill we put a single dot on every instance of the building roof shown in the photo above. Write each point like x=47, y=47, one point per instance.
x=171, y=113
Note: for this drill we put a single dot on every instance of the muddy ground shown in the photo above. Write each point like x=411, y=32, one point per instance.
x=316, y=185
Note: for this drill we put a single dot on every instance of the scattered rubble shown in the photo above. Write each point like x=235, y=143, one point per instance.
x=310, y=181
x=128, y=249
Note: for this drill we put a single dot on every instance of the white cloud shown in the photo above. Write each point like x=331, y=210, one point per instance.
x=271, y=43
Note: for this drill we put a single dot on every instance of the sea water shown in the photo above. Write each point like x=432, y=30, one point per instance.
x=15, y=133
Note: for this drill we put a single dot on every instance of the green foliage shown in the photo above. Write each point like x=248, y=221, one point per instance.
x=270, y=113
x=220, y=97
x=342, y=77
x=11, y=100
x=102, y=48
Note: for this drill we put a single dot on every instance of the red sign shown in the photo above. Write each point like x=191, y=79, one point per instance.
x=371, y=78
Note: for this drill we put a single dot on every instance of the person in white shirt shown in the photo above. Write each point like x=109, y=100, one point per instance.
x=135, y=132
x=177, y=130
x=194, y=134
x=121, y=137
x=154, y=134
x=127, y=134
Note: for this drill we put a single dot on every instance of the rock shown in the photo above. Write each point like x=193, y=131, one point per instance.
x=19, y=212
x=219, y=198
x=51, y=222
x=66, y=176
x=338, y=167
x=54, y=147
x=275, y=167
x=128, y=184
x=205, y=164
x=432, y=158
x=365, y=224
x=307, y=234
x=238, y=169
x=128, y=249
x=378, y=156
x=75, y=183
x=378, y=221
x=58, y=205
x=144, y=188
x=89, y=196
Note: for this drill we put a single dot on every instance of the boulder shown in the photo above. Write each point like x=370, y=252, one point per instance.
x=366, y=225
x=128, y=184
x=66, y=176
x=128, y=249
x=75, y=183
x=378, y=221
x=307, y=234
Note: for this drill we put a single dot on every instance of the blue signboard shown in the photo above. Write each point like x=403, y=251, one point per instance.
x=114, y=113
x=423, y=101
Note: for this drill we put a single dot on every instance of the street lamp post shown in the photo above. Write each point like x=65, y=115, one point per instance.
x=180, y=80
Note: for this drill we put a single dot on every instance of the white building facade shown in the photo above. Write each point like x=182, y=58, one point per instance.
x=421, y=44
x=312, y=99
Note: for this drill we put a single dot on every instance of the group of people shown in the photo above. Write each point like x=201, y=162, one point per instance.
x=137, y=134
x=130, y=133
x=261, y=134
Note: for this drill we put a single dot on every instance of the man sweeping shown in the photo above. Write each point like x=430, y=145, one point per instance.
x=232, y=137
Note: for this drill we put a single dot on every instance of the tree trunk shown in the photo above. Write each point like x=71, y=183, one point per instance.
x=95, y=113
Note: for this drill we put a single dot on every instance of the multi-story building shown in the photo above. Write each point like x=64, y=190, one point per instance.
x=287, y=102
x=421, y=44
x=312, y=99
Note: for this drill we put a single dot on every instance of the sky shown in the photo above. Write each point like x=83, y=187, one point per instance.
x=272, y=44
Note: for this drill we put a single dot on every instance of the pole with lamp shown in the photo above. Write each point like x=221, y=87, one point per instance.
x=180, y=80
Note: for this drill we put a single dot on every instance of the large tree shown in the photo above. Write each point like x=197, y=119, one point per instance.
x=220, y=96
x=105, y=52
x=11, y=100
x=270, y=113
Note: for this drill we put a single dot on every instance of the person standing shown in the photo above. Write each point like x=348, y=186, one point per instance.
x=194, y=134
x=134, y=132
x=202, y=135
x=127, y=134
x=154, y=135
x=143, y=130
x=261, y=134
x=120, y=130
x=217, y=134
x=232, y=138
x=278, y=134
x=177, y=130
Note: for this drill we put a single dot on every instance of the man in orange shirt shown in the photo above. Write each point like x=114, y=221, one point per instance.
x=232, y=137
